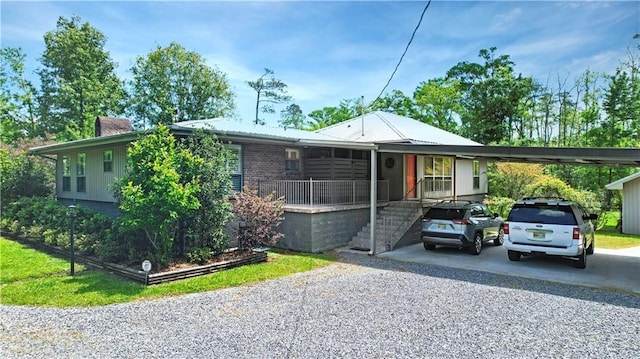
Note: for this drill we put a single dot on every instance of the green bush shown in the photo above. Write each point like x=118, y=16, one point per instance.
x=23, y=175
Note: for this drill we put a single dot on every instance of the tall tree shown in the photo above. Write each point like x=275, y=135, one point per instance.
x=172, y=84
x=492, y=94
x=438, y=100
x=292, y=117
x=330, y=115
x=18, y=98
x=78, y=80
x=269, y=91
x=396, y=102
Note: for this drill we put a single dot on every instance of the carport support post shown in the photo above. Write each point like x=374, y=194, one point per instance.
x=374, y=202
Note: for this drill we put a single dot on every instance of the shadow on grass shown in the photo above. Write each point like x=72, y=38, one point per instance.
x=105, y=284
x=604, y=296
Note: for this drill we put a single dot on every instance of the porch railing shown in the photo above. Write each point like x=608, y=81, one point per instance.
x=324, y=192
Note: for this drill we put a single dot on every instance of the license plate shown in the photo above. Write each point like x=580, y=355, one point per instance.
x=538, y=235
x=441, y=226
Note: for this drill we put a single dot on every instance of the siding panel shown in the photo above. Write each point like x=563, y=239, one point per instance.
x=631, y=207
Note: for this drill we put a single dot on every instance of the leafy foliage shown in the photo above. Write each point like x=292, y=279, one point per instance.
x=205, y=228
x=49, y=221
x=510, y=179
x=18, y=98
x=154, y=194
x=258, y=218
x=78, y=80
x=269, y=91
x=171, y=84
x=292, y=117
x=24, y=175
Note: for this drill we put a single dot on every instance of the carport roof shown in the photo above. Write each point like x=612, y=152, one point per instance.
x=627, y=157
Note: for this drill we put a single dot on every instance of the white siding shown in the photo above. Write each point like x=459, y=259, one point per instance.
x=631, y=207
x=464, y=178
x=98, y=183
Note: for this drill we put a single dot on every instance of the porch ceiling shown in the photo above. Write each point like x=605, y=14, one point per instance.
x=625, y=157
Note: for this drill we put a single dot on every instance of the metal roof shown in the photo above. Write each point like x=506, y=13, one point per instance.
x=627, y=157
x=384, y=127
x=619, y=183
x=237, y=130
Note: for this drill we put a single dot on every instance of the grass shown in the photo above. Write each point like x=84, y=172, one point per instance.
x=29, y=277
x=608, y=237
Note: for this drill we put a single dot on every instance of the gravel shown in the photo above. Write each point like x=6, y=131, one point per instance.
x=357, y=307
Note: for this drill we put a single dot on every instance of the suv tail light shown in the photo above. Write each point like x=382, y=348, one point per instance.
x=576, y=233
x=505, y=228
x=460, y=221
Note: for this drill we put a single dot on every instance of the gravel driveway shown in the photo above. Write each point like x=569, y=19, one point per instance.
x=356, y=308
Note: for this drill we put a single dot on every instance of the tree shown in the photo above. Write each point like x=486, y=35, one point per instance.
x=348, y=109
x=78, y=80
x=259, y=217
x=203, y=230
x=438, y=101
x=172, y=84
x=24, y=176
x=491, y=96
x=396, y=102
x=153, y=193
x=269, y=91
x=18, y=106
x=292, y=117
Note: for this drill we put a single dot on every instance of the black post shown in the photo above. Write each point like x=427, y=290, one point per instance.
x=72, y=214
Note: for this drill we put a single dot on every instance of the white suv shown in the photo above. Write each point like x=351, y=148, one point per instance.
x=551, y=226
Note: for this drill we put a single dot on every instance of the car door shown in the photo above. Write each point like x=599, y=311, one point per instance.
x=481, y=221
x=492, y=223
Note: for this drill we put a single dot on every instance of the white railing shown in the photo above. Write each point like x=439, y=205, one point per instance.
x=324, y=192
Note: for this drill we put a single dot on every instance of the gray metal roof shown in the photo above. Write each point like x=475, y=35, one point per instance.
x=619, y=183
x=233, y=129
x=627, y=157
x=384, y=127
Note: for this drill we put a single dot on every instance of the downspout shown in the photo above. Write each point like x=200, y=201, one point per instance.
x=374, y=202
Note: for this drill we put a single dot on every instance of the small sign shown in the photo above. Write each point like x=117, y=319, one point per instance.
x=146, y=266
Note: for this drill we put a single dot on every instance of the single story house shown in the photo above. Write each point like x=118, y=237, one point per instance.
x=630, y=187
x=337, y=186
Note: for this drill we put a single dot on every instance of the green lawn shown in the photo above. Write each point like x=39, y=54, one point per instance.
x=29, y=277
x=608, y=237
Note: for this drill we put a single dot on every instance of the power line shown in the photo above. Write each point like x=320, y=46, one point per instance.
x=405, y=50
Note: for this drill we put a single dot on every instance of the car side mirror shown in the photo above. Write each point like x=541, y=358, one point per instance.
x=495, y=215
x=592, y=217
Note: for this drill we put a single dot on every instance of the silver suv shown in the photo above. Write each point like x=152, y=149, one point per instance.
x=461, y=224
x=551, y=226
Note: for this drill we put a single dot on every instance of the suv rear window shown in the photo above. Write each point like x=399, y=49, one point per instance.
x=540, y=213
x=445, y=213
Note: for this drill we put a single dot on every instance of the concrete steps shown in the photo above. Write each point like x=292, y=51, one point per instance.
x=392, y=222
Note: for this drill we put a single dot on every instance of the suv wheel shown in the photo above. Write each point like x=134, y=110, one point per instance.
x=582, y=260
x=500, y=238
x=514, y=256
x=476, y=248
x=428, y=246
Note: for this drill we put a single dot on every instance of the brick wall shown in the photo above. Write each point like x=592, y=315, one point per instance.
x=266, y=162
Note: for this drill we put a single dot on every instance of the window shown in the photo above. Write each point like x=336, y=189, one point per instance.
x=107, y=161
x=66, y=173
x=476, y=174
x=438, y=174
x=81, y=164
x=236, y=167
x=292, y=161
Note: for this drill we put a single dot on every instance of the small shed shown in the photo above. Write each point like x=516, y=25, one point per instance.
x=630, y=187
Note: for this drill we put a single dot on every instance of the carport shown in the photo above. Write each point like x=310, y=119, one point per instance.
x=617, y=157
x=618, y=270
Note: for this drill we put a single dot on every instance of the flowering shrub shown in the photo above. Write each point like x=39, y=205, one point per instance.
x=258, y=218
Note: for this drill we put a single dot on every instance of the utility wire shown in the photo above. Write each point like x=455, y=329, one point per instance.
x=405, y=50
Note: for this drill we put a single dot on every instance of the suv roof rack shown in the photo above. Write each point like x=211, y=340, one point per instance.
x=545, y=197
x=458, y=200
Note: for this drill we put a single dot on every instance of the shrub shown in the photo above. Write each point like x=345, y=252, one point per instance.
x=258, y=217
x=23, y=175
x=199, y=255
x=500, y=205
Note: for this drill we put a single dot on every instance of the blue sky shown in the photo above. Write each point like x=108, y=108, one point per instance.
x=328, y=51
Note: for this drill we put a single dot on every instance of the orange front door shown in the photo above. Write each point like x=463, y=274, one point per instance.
x=411, y=176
